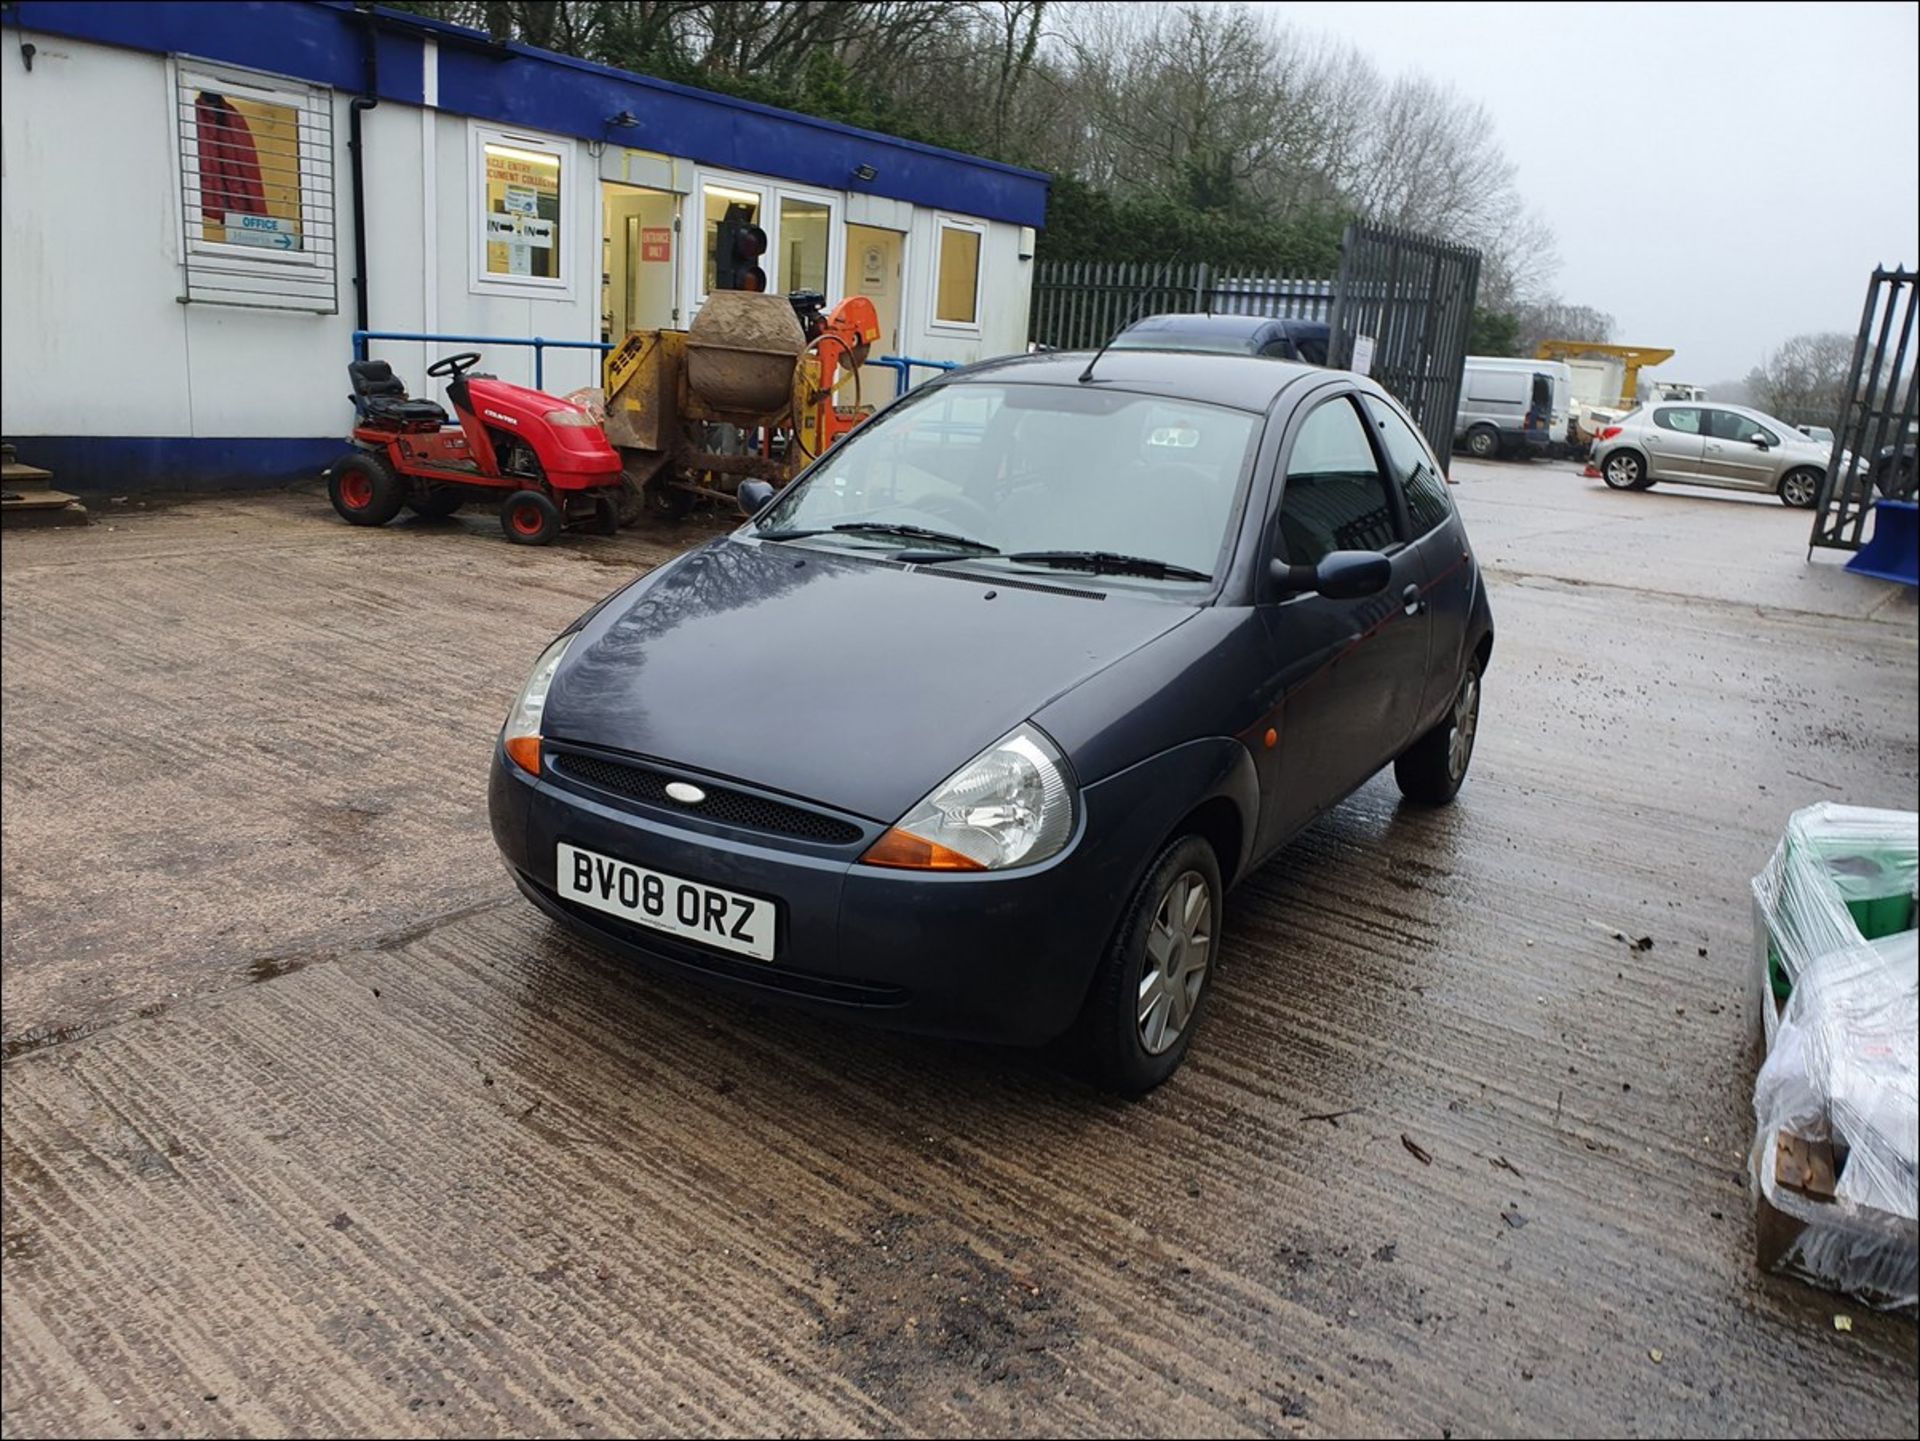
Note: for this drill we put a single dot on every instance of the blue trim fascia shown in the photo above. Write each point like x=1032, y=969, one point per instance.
x=514, y=84
x=317, y=43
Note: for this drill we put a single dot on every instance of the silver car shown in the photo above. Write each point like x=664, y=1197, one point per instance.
x=1700, y=443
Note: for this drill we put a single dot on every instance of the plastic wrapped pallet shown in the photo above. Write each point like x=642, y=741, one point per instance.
x=1836, y=1155
x=1840, y=875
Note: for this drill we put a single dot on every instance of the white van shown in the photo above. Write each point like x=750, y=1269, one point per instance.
x=1510, y=405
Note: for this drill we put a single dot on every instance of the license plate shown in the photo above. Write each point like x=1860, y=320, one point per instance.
x=683, y=908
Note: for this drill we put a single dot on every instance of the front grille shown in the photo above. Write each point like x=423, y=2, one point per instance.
x=723, y=806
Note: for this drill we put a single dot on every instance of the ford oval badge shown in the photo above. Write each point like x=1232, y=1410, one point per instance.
x=681, y=793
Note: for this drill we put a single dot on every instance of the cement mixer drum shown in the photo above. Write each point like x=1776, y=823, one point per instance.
x=741, y=351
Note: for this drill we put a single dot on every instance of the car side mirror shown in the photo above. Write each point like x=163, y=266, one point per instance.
x=1760, y=442
x=1340, y=575
x=753, y=496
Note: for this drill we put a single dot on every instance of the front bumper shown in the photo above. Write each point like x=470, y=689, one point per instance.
x=1002, y=957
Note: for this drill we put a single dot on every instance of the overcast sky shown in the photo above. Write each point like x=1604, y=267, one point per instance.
x=1719, y=177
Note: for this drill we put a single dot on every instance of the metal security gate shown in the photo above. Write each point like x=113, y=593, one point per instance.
x=1874, y=432
x=1082, y=304
x=1398, y=311
x=1402, y=308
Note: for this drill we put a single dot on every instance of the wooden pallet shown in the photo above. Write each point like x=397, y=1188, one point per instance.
x=27, y=497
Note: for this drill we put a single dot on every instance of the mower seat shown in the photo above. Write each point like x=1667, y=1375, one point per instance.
x=378, y=394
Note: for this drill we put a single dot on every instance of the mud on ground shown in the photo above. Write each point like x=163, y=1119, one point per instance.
x=311, y=1124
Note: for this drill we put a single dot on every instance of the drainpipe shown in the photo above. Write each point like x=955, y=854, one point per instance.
x=355, y=133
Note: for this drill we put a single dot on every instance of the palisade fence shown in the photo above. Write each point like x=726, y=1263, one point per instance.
x=1402, y=302
x=1081, y=304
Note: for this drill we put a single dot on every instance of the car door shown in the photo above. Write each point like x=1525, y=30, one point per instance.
x=1738, y=451
x=1674, y=442
x=1350, y=673
x=1440, y=541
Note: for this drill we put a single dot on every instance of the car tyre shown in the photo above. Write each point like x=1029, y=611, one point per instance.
x=1168, y=944
x=437, y=503
x=529, y=518
x=1483, y=442
x=364, y=490
x=1800, y=488
x=1625, y=470
x=1432, y=769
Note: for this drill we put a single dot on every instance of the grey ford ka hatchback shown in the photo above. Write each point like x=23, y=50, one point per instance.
x=970, y=728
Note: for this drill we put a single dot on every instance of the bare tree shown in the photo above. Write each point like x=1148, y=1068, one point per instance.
x=1557, y=320
x=1807, y=376
x=1197, y=109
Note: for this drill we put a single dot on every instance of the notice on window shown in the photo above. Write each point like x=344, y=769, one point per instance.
x=656, y=243
x=522, y=212
x=269, y=231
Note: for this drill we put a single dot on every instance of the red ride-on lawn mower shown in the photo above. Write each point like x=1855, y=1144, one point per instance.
x=544, y=455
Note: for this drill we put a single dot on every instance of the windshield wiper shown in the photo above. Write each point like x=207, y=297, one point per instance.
x=878, y=527
x=1106, y=562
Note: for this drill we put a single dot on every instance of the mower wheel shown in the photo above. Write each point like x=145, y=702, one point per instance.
x=606, y=515
x=437, y=503
x=667, y=500
x=529, y=518
x=364, y=491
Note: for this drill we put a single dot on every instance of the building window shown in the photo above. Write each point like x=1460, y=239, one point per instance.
x=806, y=233
x=522, y=187
x=256, y=184
x=956, y=295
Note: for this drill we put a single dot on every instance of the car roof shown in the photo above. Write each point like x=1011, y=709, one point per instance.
x=1245, y=382
x=1512, y=362
x=1194, y=323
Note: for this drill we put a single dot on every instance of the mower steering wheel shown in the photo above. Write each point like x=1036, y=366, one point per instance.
x=454, y=365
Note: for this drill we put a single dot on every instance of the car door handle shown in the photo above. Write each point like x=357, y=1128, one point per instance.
x=1410, y=601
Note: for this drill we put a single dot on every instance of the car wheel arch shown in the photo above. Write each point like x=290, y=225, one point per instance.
x=1214, y=771
x=1217, y=821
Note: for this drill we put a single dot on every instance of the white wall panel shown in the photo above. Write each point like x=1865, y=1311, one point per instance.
x=90, y=246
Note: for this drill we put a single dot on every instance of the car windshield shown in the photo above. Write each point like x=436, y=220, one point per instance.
x=1024, y=469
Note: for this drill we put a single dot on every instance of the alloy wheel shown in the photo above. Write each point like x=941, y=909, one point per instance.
x=1179, y=945
x=1466, y=720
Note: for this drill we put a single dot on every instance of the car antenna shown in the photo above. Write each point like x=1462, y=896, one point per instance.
x=1139, y=305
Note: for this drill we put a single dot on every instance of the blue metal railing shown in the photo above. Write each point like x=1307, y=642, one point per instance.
x=539, y=343
x=902, y=368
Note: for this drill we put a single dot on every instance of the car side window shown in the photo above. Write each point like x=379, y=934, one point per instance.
x=1726, y=425
x=1682, y=418
x=1413, y=466
x=1279, y=346
x=1335, y=497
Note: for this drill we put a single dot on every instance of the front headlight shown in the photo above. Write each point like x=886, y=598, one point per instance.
x=570, y=417
x=1011, y=805
x=521, y=734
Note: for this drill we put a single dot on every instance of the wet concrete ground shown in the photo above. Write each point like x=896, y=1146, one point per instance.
x=311, y=1124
